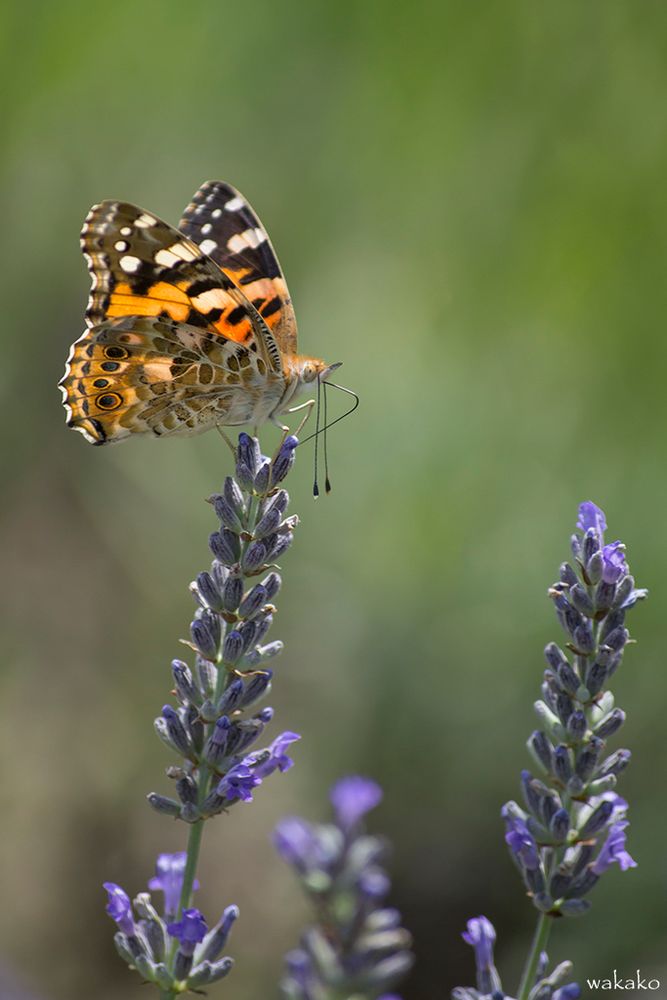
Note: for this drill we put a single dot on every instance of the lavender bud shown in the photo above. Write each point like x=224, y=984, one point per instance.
x=216, y=746
x=176, y=731
x=576, y=726
x=554, y=656
x=568, y=576
x=604, y=595
x=245, y=477
x=271, y=649
x=226, y=512
x=271, y=584
x=261, y=484
x=597, y=820
x=218, y=970
x=216, y=939
x=596, y=677
x=194, y=726
x=617, y=638
x=208, y=676
x=234, y=496
x=615, y=763
x=562, y=764
x=594, y=568
x=208, y=591
x=263, y=623
x=225, y=546
x=581, y=600
x=244, y=734
x=205, y=633
x=184, y=682
x=253, y=602
x=568, y=678
x=614, y=620
x=186, y=789
x=279, y=501
x=559, y=825
x=610, y=724
x=564, y=707
x=559, y=884
x=624, y=588
x=257, y=687
x=281, y=545
x=253, y=557
x=248, y=633
x=232, y=648
x=588, y=757
x=248, y=452
x=541, y=750
x=231, y=697
x=284, y=460
x=533, y=790
x=583, y=638
x=575, y=545
x=164, y=805
x=267, y=524
x=232, y=593
x=591, y=544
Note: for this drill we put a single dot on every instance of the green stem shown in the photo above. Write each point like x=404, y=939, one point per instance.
x=538, y=946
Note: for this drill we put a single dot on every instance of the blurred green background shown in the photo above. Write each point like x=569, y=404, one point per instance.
x=469, y=202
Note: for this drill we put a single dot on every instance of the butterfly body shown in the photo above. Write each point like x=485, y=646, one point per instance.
x=188, y=328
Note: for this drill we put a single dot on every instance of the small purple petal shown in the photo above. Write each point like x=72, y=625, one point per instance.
x=119, y=907
x=170, y=869
x=613, y=850
x=590, y=516
x=521, y=842
x=239, y=782
x=352, y=798
x=278, y=759
x=189, y=930
x=614, y=565
x=481, y=934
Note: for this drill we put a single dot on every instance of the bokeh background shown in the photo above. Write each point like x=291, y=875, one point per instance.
x=469, y=202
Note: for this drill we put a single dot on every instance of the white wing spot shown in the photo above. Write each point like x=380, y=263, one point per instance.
x=206, y=229
x=171, y=255
x=207, y=246
x=130, y=264
x=126, y=231
x=166, y=258
x=145, y=221
x=121, y=246
x=216, y=213
x=234, y=204
x=250, y=238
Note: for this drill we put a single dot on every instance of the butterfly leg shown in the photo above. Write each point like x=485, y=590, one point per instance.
x=227, y=441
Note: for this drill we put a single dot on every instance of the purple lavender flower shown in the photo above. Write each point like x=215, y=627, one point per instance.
x=614, y=565
x=119, y=908
x=170, y=869
x=481, y=935
x=357, y=946
x=189, y=930
x=277, y=760
x=214, y=723
x=590, y=516
x=613, y=851
x=238, y=783
x=521, y=842
x=352, y=798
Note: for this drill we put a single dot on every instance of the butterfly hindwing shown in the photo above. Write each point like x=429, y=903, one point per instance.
x=222, y=223
x=146, y=374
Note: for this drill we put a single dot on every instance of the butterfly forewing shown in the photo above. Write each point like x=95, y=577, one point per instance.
x=222, y=223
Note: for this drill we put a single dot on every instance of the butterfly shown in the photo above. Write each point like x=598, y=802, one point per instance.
x=187, y=328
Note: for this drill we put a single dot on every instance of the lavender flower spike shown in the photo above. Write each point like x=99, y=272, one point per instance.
x=571, y=829
x=357, y=947
x=214, y=726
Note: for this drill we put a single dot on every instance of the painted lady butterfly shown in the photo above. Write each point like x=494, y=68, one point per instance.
x=188, y=328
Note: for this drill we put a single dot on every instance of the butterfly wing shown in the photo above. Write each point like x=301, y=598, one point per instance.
x=222, y=223
x=147, y=374
x=153, y=291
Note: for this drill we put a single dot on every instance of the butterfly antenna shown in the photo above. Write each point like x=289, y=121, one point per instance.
x=316, y=489
x=327, y=483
